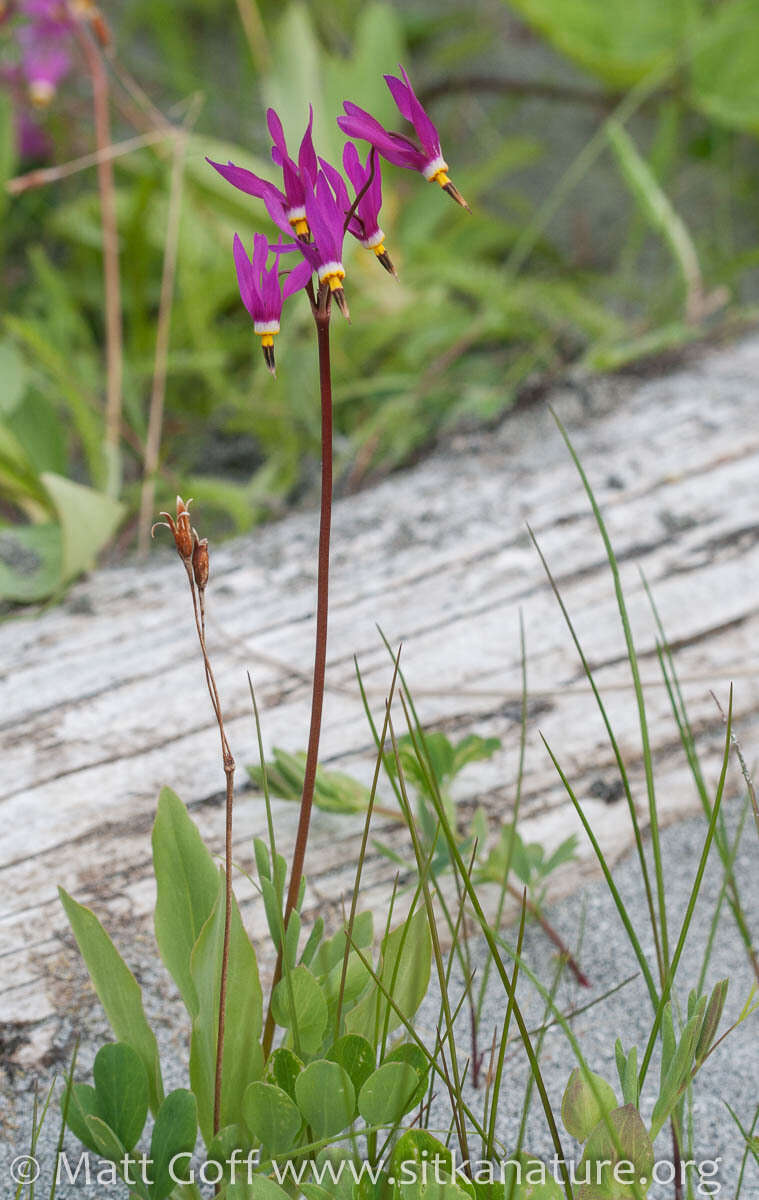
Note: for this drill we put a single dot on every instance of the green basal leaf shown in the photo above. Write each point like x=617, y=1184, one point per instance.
x=409, y=1052
x=121, y=1091
x=187, y=887
x=404, y=973
x=271, y=1117
x=109, y=1146
x=586, y=1097
x=117, y=989
x=283, y=1068
x=388, y=1093
x=357, y=979
x=88, y=521
x=259, y=1188
x=299, y=1004
x=533, y=1181
x=424, y=1170
x=82, y=1104
x=355, y=1055
x=332, y=951
x=243, y=1059
x=174, y=1133
x=326, y=1098
x=635, y=1147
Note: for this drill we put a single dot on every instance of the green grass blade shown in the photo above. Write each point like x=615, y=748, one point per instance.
x=691, y=902
x=634, y=671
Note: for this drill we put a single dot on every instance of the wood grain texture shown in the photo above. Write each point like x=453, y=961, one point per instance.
x=102, y=700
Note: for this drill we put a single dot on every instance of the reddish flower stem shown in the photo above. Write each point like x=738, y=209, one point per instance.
x=321, y=311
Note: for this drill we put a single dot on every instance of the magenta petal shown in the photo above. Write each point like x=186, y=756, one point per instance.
x=297, y=279
x=244, y=276
x=392, y=146
x=307, y=155
x=246, y=181
x=428, y=134
x=400, y=94
x=337, y=183
x=276, y=131
x=275, y=209
x=260, y=253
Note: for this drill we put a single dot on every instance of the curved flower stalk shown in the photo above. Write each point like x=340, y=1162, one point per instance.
x=427, y=157
x=296, y=178
x=260, y=289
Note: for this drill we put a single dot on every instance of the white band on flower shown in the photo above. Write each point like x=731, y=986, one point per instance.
x=266, y=326
x=296, y=214
x=376, y=239
x=330, y=268
x=432, y=168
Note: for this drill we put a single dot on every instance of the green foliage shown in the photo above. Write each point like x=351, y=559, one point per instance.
x=242, y=1061
x=299, y=1004
x=586, y=1097
x=529, y=862
x=403, y=972
x=618, y=42
x=187, y=887
x=388, y=1093
x=272, y=1117
x=118, y=991
x=326, y=1098
x=175, y=1132
x=334, y=791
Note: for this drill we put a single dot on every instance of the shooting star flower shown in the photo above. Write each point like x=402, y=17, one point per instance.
x=427, y=157
x=325, y=212
x=367, y=182
x=296, y=177
x=261, y=291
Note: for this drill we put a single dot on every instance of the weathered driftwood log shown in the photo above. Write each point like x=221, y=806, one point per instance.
x=104, y=699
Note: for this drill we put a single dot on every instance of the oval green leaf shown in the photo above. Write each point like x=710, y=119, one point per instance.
x=385, y=1096
x=271, y=1116
x=326, y=1098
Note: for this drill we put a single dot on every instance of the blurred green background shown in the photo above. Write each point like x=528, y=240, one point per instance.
x=608, y=151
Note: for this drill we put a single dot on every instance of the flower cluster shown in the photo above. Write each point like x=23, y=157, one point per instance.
x=314, y=211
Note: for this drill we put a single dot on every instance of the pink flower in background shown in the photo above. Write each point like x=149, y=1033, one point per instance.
x=43, y=32
x=426, y=157
x=44, y=40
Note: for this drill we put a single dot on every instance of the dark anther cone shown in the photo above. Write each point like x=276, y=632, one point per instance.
x=455, y=194
x=387, y=263
x=339, y=298
x=269, y=359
